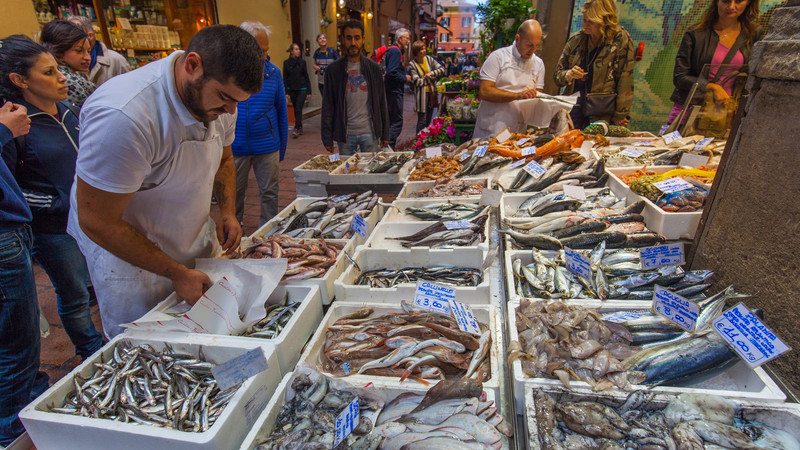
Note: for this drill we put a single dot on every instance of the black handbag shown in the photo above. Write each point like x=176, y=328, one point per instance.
x=599, y=105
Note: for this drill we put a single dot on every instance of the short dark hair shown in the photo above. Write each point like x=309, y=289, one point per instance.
x=59, y=36
x=228, y=51
x=353, y=24
x=18, y=53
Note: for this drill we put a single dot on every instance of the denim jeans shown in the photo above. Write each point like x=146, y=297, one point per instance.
x=360, y=142
x=62, y=260
x=267, y=169
x=20, y=378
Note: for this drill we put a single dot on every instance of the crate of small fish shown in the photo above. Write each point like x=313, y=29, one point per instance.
x=459, y=188
x=404, y=345
x=292, y=316
x=316, y=170
x=585, y=419
x=457, y=414
x=441, y=235
x=325, y=217
x=386, y=276
x=424, y=209
x=373, y=168
x=568, y=168
x=625, y=346
x=137, y=393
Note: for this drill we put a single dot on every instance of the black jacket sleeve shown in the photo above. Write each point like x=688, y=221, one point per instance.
x=683, y=77
x=305, y=75
x=328, y=108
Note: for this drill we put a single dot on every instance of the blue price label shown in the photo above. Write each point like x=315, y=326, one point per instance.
x=456, y=224
x=340, y=198
x=749, y=336
x=662, y=255
x=702, y=143
x=481, y=150
x=346, y=368
x=235, y=370
x=359, y=225
x=346, y=168
x=632, y=152
x=643, y=143
x=333, y=157
x=621, y=316
x=517, y=163
x=464, y=317
x=346, y=422
x=522, y=141
x=534, y=169
x=528, y=150
x=464, y=156
x=434, y=297
x=663, y=129
x=578, y=264
x=669, y=137
x=675, y=308
x=674, y=184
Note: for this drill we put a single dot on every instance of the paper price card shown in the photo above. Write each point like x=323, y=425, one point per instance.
x=586, y=148
x=642, y=143
x=491, y=197
x=749, y=337
x=359, y=225
x=346, y=422
x=662, y=255
x=675, y=308
x=632, y=152
x=621, y=316
x=528, y=150
x=346, y=168
x=346, y=368
x=340, y=198
x=578, y=264
x=503, y=136
x=576, y=192
x=434, y=297
x=234, y=371
x=669, y=137
x=673, y=184
x=480, y=151
x=456, y=224
x=662, y=129
x=464, y=156
x=466, y=320
x=691, y=160
x=702, y=143
x=433, y=152
x=334, y=157
x=522, y=141
x=517, y=163
x=534, y=169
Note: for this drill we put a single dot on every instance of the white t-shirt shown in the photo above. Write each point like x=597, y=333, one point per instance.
x=133, y=124
x=508, y=57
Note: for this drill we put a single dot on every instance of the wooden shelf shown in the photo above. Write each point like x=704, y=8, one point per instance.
x=144, y=49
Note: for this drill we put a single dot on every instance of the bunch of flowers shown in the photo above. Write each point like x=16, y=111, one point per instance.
x=440, y=130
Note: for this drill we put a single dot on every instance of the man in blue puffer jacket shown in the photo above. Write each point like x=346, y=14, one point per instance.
x=262, y=129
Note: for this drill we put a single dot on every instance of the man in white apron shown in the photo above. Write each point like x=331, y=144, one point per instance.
x=509, y=74
x=154, y=145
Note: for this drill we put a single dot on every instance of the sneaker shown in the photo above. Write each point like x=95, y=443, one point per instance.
x=294, y=134
x=299, y=131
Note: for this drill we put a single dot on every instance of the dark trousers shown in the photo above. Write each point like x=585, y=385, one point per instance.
x=424, y=119
x=298, y=98
x=394, y=102
x=321, y=86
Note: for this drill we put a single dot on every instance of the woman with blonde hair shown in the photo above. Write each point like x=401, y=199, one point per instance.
x=424, y=71
x=597, y=62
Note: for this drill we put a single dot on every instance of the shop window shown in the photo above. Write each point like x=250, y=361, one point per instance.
x=444, y=37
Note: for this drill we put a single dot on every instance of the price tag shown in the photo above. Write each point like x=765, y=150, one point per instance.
x=576, y=192
x=359, y=225
x=528, y=150
x=346, y=168
x=675, y=308
x=125, y=24
x=340, y=198
x=346, y=422
x=503, y=136
x=433, y=152
x=586, y=149
x=691, y=160
x=643, y=143
x=480, y=151
x=456, y=224
x=750, y=338
x=464, y=156
x=346, y=368
x=662, y=255
x=578, y=264
x=491, y=197
x=522, y=141
x=668, y=138
x=621, y=316
x=632, y=152
x=235, y=370
x=673, y=184
x=702, y=143
x=466, y=320
x=534, y=169
x=334, y=157
x=662, y=129
x=434, y=297
x=516, y=163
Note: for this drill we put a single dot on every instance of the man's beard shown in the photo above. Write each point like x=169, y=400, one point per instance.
x=350, y=52
x=192, y=95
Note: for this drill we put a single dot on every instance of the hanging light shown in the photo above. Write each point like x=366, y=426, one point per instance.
x=369, y=15
x=341, y=3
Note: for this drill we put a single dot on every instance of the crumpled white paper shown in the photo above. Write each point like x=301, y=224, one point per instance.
x=540, y=111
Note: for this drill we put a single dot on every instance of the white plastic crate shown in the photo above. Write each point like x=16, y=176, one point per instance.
x=380, y=238
x=310, y=189
x=309, y=175
x=288, y=344
x=50, y=430
x=325, y=283
x=380, y=258
x=739, y=382
x=486, y=314
x=396, y=211
x=784, y=417
x=338, y=176
x=414, y=186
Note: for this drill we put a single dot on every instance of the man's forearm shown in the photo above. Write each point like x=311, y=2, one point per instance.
x=496, y=95
x=225, y=185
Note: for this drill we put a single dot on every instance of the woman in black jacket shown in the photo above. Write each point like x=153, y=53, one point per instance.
x=297, y=84
x=725, y=24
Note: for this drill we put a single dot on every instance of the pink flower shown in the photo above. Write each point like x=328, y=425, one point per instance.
x=451, y=131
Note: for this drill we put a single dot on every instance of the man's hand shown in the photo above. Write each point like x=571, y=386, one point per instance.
x=15, y=117
x=229, y=234
x=329, y=148
x=623, y=121
x=526, y=94
x=190, y=284
x=576, y=73
x=316, y=67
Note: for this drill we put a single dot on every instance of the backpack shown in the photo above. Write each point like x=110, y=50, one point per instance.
x=378, y=57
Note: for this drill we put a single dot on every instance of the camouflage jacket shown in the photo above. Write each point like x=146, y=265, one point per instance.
x=612, y=70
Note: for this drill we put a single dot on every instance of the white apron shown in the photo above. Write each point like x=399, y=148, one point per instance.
x=515, y=76
x=175, y=216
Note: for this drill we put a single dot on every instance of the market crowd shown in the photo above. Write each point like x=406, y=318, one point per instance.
x=107, y=173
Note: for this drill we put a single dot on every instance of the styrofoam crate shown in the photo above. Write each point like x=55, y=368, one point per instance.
x=48, y=430
x=414, y=186
x=310, y=189
x=739, y=382
x=380, y=238
x=325, y=284
x=265, y=423
x=396, y=211
x=309, y=175
x=337, y=176
x=635, y=136
x=381, y=258
x=484, y=313
x=784, y=417
x=288, y=344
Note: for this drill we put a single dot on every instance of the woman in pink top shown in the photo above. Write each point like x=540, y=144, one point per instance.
x=725, y=24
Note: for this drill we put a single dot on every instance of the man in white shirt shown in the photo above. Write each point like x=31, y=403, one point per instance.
x=154, y=144
x=510, y=74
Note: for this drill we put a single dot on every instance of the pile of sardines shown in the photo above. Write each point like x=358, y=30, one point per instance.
x=474, y=163
x=308, y=258
x=328, y=218
x=381, y=162
x=615, y=274
x=450, y=187
x=448, y=210
x=270, y=327
x=453, y=276
x=687, y=421
x=417, y=343
x=143, y=385
x=438, y=235
x=562, y=169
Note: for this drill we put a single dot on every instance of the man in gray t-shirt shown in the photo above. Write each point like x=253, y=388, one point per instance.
x=356, y=96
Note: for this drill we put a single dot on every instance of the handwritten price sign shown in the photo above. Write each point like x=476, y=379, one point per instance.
x=748, y=336
x=662, y=255
x=675, y=308
x=434, y=297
